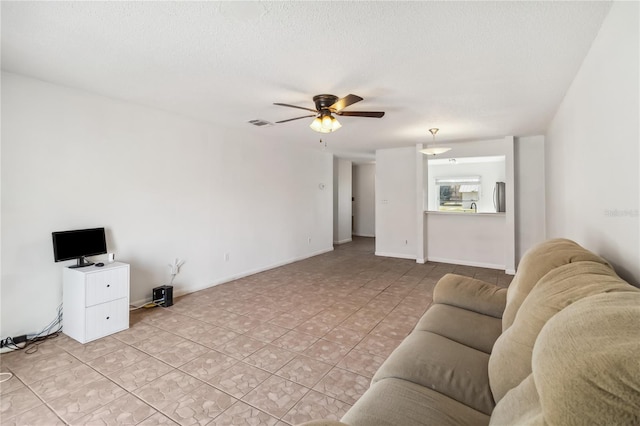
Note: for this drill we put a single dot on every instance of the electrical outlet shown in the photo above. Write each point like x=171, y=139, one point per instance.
x=226, y=257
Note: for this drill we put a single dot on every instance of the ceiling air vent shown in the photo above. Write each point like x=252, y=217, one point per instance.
x=260, y=123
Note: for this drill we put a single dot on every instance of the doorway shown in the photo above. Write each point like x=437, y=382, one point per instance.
x=363, y=199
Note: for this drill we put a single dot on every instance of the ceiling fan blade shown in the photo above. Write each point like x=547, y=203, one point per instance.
x=297, y=118
x=341, y=104
x=373, y=114
x=295, y=106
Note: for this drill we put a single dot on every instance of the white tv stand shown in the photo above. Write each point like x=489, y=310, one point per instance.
x=95, y=301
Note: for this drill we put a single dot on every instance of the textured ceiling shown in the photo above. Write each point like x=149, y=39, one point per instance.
x=476, y=70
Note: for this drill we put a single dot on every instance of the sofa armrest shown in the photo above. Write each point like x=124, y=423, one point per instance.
x=471, y=294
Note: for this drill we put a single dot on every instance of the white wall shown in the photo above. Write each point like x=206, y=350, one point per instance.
x=592, y=158
x=438, y=244
x=422, y=203
x=164, y=186
x=530, y=193
x=364, y=205
x=524, y=162
x=467, y=239
x=342, y=187
x=396, y=186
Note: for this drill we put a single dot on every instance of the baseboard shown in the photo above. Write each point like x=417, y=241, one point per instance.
x=348, y=240
x=510, y=272
x=466, y=263
x=364, y=235
x=397, y=255
x=182, y=292
x=421, y=261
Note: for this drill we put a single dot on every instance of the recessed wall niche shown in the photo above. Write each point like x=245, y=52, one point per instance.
x=464, y=184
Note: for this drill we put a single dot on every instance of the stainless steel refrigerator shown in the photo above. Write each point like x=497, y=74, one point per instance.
x=499, y=195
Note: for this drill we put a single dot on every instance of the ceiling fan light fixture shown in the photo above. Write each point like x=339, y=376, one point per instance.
x=325, y=123
x=335, y=124
x=325, y=107
x=435, y=150
x=316, y=124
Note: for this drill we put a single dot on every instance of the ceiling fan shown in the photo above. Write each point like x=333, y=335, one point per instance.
x=326, y=105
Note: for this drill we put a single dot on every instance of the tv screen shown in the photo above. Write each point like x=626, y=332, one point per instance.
x=77, y=244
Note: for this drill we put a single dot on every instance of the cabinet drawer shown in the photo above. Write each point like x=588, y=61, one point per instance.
x=107, y=285
x=106, y=318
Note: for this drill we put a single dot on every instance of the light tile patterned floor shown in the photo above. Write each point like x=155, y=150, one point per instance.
x=281, y=347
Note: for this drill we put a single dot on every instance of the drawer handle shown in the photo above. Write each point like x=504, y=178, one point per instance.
x=107, y=317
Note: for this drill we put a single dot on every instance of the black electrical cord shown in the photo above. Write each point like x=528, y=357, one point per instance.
x=9, y=343
x=34, y=340
x=32, y=345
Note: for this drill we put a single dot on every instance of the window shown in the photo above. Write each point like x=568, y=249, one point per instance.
x=457, y=193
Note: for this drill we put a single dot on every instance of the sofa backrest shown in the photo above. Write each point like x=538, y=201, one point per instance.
x=535, y=264
x=585, y=367
x=510, y=360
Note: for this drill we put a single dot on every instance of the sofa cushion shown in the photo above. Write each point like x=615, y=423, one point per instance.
x=535, y=264
x=471, y=294
x=520, y=406
x=510, y=361
x=445, y=366
x=585, y=367
x=395, y=402
x=460, y=325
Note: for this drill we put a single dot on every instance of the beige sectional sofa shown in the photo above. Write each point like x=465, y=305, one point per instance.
x=561, y=346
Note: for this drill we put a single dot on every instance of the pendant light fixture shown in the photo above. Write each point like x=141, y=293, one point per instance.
x=434, y=150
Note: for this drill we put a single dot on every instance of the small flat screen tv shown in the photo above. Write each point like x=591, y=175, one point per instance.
x=78, y=244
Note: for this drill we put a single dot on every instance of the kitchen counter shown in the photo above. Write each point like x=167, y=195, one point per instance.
x=463, y=213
